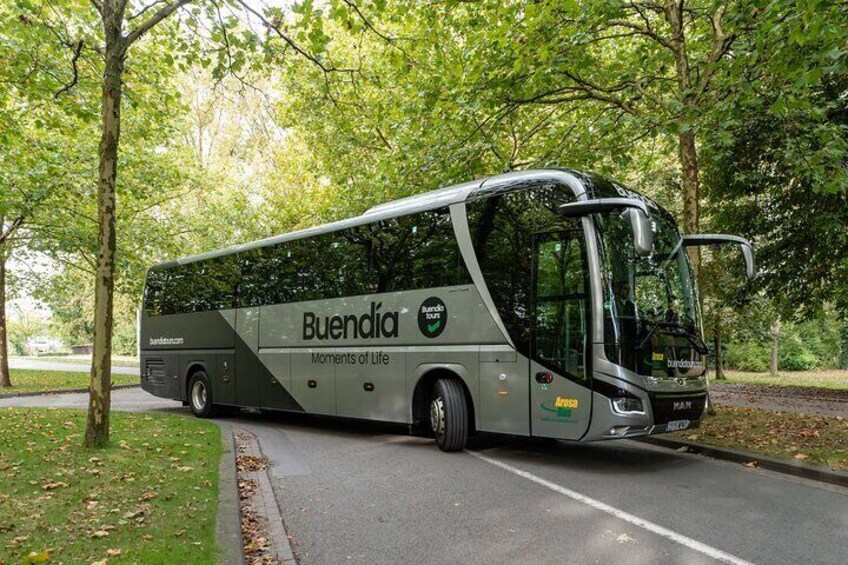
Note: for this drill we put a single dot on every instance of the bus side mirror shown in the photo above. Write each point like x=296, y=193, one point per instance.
x=699, y=239
x=643, y=232
x=634, y=210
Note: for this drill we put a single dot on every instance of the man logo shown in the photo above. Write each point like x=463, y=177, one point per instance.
x=682, y=405
x=432, y=317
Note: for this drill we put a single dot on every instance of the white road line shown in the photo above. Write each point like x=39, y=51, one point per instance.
x=710, y=551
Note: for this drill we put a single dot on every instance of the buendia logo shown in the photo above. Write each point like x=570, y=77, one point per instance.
x=432, y=317
x=371, y=325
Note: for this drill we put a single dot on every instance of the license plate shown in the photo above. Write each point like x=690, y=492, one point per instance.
x=675, y=425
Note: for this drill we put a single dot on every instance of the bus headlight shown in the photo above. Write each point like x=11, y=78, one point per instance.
x=627, y=405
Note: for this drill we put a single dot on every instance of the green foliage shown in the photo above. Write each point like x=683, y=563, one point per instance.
x=753, y=357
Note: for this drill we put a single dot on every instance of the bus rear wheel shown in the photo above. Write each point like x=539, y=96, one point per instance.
x=449, y=415
x=200, y=396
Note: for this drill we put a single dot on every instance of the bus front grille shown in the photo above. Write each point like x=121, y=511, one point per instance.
x=668, y=408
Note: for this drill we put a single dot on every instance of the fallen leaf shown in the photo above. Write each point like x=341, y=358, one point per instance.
x=38, y=556
x=149, y=495
x=113, y=552
x=752, y=464
x=99, y=534
x=51, y=486
x=801, y=456
x=179, y=533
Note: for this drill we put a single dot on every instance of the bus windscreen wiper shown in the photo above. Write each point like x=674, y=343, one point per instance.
x=681, y=331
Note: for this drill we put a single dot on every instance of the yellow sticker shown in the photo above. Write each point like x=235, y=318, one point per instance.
x=657, y=357
x=566, y=402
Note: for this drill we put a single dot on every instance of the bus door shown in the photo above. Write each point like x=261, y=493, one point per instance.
x=560, y=390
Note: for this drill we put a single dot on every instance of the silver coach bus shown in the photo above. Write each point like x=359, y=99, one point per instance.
x=548, y=303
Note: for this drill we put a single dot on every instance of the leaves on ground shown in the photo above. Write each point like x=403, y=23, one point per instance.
x=107, y=505
x=817, y=440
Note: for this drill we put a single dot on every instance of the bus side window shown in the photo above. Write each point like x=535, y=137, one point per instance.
x=154, y=292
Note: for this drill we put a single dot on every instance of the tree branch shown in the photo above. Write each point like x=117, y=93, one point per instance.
x=289, y=41
x=150, y=22
x=75, y=78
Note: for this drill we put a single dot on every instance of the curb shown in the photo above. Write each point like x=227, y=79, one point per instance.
x=58, y=391
x=266, y=504
x=228, y=520
x=812, y=472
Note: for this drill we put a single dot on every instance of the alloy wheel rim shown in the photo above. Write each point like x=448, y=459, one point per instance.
x=437, y=416
x=198, y=395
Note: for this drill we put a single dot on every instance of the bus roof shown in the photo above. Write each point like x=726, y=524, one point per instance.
x=433, y=199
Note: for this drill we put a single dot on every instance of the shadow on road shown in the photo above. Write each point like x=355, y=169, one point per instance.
x=612, y=457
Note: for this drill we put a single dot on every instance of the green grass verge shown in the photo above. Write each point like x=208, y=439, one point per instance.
x=117, y=360
x=809, y=439
x=152, y=496
x=833, y=379
x=30, y=380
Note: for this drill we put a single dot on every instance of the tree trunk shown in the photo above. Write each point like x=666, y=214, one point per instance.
x=775, y=339
x=5, y=377
x=97, y=428
x=719, y=363
x=691, y=188
x=843, y=358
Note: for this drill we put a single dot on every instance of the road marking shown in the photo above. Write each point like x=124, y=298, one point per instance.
x=707, y=550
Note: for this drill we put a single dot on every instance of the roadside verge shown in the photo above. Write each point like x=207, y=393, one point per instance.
x=803, y=470
x=58, y=391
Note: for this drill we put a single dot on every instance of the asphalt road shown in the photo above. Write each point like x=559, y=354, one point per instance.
x=70, y=367
x=366, y=493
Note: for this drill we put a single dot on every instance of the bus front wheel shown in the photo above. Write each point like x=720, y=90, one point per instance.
x=449, y=415
x=200, y=396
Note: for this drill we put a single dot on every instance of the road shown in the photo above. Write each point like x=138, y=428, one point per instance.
x=366, y=493
x=58, y=366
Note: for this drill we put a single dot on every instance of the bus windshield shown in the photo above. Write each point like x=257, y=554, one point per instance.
x=651, y=316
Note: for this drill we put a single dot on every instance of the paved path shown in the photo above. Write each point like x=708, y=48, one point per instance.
x=781, y=399
x=366, y=493
x=57, y=366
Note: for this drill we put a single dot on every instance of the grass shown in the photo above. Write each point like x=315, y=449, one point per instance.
x=149, y=498
x=30, y=380
x=809, y=439
x=117, y=360
x=830, y=378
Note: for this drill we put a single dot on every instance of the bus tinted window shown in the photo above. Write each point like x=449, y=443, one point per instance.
x=154, y=291
x=502, y=229
x=417, y=251
x=410, y=252
x=201, y=285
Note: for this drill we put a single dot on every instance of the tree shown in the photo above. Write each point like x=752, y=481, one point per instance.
x=112, y=45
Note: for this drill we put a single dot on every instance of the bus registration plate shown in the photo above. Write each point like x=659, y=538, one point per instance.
x=675, y=425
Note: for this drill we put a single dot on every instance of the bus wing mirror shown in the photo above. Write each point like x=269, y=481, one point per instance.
x=634, y=210
x=723, y=239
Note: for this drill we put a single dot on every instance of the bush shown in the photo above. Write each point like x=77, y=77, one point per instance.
x=797, y=354
x=752, y=357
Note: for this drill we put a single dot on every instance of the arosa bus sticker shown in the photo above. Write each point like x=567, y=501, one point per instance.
x=432, y=317
x=562, y=408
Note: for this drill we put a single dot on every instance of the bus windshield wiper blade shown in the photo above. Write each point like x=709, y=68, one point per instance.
x=682, y=331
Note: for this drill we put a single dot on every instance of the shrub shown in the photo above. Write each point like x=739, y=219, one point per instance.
x=752, y=357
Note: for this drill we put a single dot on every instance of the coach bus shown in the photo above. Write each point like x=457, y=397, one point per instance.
x=547, y=303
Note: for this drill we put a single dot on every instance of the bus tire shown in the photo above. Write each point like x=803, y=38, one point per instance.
x=449, y=415
x=200, y=396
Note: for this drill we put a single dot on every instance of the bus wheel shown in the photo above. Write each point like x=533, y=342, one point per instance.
x=200, y=396
x=449, y=415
